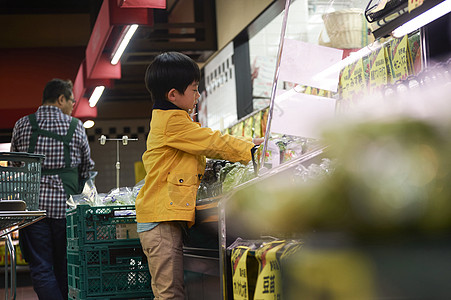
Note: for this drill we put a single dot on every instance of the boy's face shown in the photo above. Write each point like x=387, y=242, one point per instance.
x=188, y=100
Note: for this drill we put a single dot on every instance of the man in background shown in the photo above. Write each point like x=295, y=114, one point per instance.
x=52, y=131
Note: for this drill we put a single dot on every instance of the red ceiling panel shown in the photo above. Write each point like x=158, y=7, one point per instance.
x=83, y=111
x=110, y=15
x=142, y=3
x=96, y=69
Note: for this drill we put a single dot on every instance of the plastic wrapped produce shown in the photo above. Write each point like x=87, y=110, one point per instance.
x=88, y=195
x=237, y=175
x=210, y=185
x=117, y=196
x=315, y=171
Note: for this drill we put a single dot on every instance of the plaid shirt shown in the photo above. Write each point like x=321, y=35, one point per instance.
x=52, y=196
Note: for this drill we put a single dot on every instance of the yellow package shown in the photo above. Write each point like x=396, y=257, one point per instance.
x=248, y=127
x=264, y=119
x=237, y=129
x=269, y=281
x=244, y=273
x=257, y=125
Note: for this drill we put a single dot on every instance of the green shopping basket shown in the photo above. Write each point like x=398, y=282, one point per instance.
x=20, y=177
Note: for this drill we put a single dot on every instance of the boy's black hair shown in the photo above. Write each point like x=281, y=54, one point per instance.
x=170, y=70
x=56, y=87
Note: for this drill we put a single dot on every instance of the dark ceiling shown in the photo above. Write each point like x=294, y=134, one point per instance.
x=49, y=6
x=187, y=26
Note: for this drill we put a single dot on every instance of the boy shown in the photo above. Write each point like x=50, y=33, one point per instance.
x=175, y=162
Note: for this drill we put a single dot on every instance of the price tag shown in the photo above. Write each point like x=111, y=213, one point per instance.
x=414, y=4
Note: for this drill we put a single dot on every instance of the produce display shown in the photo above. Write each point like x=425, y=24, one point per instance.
x=116, y=196
x=223, y=176
x=210, y=185
x=220, y=176
x=391, y=175
x=236, y=174
x=315, y=171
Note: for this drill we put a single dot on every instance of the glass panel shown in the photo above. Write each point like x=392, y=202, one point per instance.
x=339, y=24
x=359, y=65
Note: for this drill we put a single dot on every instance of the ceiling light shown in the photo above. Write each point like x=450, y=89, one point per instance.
x=129, y=31
x=425, y=18
x=88, y=124
x=96, y=95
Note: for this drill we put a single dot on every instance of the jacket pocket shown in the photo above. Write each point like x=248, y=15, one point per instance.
x=182, y=190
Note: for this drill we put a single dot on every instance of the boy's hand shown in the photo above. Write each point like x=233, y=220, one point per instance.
x=258, y=141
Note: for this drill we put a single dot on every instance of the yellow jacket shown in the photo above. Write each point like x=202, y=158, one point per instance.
x=175, y=162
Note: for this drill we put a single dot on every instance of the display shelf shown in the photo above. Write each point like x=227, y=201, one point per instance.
x=202, y=260
x=229, y=225
x=201, y=253
x=285, y=170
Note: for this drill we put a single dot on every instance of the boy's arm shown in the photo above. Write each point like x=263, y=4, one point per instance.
x=188, y=136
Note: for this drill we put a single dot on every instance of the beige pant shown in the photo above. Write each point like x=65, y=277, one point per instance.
x=163, y=246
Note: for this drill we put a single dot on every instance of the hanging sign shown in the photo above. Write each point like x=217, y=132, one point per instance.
x=310, y=65
x=400, y=60
x=377, y=65
x=415, y=53
x=300, y=114
x=353, y=82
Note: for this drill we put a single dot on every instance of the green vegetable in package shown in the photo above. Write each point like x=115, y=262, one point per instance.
x=237, y=174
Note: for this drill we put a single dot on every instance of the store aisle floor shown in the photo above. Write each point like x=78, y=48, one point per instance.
x=22, y=293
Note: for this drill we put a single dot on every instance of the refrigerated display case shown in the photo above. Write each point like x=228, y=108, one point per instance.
x=357, y=252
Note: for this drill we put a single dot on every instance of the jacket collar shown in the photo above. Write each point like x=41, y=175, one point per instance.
x=165, y=105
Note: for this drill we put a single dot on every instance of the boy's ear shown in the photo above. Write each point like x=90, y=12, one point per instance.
x=172, y=95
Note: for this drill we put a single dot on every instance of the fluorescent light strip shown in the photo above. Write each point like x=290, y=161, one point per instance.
x=127, y=37
x=96, y=95
x=88, y=124
x=425, y=18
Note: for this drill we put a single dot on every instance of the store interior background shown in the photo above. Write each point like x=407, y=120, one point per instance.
x=47, y=40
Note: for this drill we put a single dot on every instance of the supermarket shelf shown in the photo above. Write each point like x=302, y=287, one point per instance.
x=230, y=227
x=202, y=250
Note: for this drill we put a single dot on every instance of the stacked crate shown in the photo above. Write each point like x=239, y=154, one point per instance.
x=104, y=256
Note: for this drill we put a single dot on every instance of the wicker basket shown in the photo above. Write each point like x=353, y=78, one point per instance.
x=347, y=29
